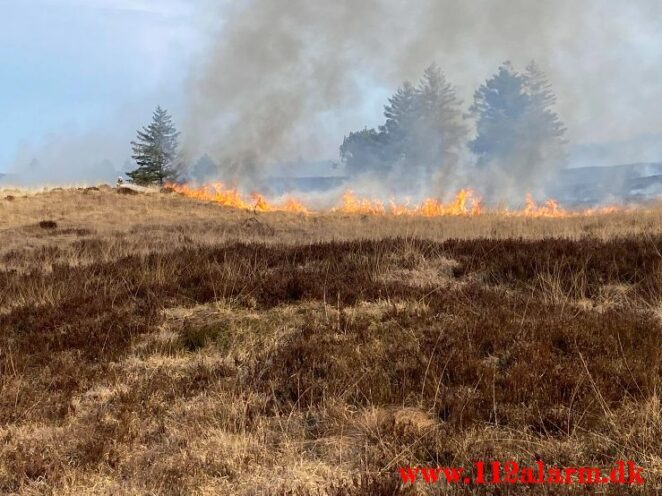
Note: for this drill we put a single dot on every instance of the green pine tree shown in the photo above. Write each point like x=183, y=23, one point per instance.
x=422, y=137
x=439, y=130
x=501, y=108
x=155, y=151
x=544, y=122
x=515, y=119
x=400, y=116
x=400, y=111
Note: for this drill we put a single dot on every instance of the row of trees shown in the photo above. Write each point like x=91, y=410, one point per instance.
x=425, y=129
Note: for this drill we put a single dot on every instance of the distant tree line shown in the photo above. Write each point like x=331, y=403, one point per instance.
x=425, y=131
x=425, y=128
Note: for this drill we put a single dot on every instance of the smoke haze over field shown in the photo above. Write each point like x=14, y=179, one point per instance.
x=255, y=82
x=289, y=78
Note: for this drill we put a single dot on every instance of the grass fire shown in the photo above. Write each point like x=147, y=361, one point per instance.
x=159, y=344
x=465, y=203
x=331, y=248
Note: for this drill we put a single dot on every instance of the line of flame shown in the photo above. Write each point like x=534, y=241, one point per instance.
x=465, y=203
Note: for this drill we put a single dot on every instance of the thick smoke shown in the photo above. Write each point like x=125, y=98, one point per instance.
x=282, y=79
x=289, y=78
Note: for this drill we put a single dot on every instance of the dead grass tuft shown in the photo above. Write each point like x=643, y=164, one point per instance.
x=48, y=224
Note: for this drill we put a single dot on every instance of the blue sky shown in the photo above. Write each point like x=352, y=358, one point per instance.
x=69, y=65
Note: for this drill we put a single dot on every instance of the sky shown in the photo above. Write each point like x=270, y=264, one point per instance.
x=78, y=77
x=71, y=67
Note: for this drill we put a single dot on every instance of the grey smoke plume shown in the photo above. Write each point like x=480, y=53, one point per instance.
x=288, y=78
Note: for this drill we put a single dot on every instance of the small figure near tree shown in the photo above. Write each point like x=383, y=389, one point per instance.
x=155, y=151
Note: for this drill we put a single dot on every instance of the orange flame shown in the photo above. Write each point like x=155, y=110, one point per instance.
x=550, y=208
x=466, y=203
x=350, y=204
x=230, y=197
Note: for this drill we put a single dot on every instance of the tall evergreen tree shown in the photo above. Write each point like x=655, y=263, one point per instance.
x=544, y=123
x=500, y=106
x=155, y=151
x=515, y=121
x=400, y=110
x=439, y=128
x=400, y=116
x=423, y=132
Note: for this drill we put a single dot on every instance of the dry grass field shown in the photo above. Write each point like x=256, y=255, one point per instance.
x=155, y=345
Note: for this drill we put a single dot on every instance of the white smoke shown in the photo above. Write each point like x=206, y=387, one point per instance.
x=287, y=78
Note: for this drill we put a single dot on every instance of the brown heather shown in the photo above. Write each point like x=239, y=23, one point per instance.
x=150, y=344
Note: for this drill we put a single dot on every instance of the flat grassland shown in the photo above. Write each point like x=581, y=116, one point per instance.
x=152, y=344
